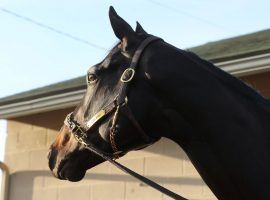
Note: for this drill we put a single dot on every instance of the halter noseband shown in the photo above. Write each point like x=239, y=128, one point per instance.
x=120, y=104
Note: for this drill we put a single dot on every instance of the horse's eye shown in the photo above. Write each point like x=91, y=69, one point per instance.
x=91, y=78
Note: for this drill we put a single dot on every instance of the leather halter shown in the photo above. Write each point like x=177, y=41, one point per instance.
x=120, y=104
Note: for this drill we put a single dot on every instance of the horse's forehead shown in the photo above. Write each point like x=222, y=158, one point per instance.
x=112, y=55
x=106, y=62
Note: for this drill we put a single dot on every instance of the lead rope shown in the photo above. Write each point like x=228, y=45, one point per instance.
x=134, y=174
x=81, y=139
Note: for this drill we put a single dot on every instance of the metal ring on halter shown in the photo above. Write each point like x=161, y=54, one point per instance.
x=126, y=73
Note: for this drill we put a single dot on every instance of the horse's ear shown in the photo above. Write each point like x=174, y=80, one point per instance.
x=120, y=27
x=139, y=29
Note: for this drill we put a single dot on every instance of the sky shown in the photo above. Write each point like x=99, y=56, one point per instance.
x=44, y=42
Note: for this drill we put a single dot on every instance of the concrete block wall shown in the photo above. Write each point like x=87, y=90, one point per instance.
x=27, y=144
x=28, y=140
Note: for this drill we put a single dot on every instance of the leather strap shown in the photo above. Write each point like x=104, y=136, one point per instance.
x=133, y=65
x=134, y=174
x=81, y=136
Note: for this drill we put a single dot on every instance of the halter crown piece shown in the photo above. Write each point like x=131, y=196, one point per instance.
x=119, y=105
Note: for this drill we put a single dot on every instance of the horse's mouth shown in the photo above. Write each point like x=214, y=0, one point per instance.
x=74, y=169
x=70, y=172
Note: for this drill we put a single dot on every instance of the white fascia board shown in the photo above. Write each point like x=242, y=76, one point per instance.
x=43, y=104
x=237, y=67
x=246, y=66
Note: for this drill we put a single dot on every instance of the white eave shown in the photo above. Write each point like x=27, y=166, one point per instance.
x=39, y=105
x=238, y=67
x=246, y=66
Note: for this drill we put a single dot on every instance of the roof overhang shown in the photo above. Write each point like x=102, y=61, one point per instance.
x=238, y=67
x=43, y=104
x=246, y=66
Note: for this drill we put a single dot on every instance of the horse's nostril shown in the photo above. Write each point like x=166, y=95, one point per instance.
x=49, y=154
x=52, y=154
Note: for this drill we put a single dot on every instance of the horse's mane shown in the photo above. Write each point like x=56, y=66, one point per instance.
x=234, y=83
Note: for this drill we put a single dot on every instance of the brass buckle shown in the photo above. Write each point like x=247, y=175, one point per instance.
x=126, y=73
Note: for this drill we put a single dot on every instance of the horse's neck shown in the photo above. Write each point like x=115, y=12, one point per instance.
x=197, y=91
x=214, y=123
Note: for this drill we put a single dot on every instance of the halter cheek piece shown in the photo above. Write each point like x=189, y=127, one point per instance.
x=119, y=105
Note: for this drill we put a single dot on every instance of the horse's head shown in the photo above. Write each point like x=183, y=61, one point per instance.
x=68, y=158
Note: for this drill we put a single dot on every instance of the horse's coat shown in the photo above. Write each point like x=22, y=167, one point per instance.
x=220, y=122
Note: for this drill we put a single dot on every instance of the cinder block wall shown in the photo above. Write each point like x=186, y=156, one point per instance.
x=27, y=144
x=29, y=138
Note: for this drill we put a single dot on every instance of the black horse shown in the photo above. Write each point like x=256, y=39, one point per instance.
x=222, y=124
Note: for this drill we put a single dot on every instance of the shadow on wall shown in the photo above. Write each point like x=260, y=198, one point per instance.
x=50, y=120
x=53, y=121
x=40, y=184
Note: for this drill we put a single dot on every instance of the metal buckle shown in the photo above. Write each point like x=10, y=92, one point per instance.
x=125, y=73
